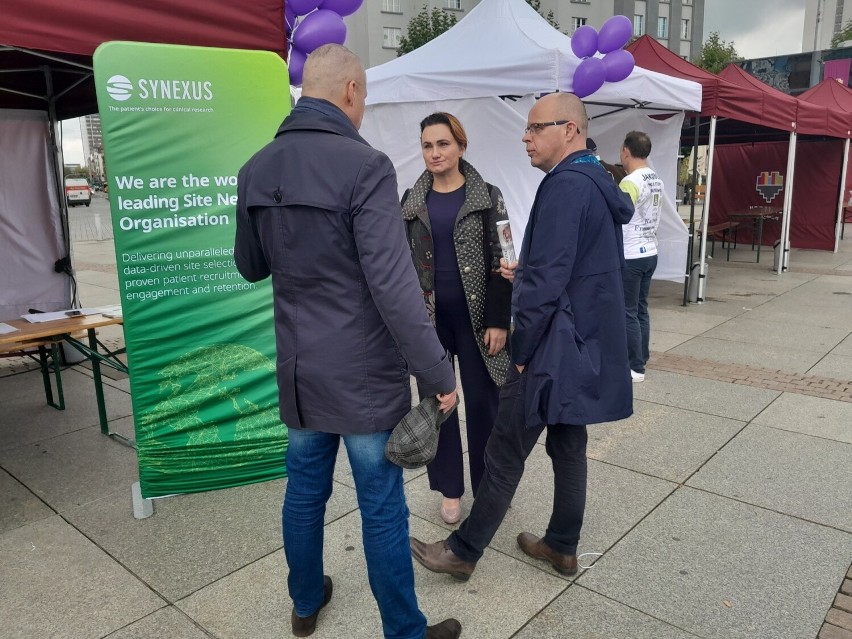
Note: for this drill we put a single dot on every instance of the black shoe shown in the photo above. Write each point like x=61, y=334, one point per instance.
x=305, y=626
x=447, y=629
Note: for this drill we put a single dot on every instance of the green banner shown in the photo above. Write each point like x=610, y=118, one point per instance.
x=178, y=122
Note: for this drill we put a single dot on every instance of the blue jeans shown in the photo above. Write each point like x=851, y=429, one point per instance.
x=637, y=283
x=384, y=523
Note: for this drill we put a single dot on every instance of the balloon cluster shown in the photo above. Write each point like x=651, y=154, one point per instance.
x=616, y=64
x=312, y=23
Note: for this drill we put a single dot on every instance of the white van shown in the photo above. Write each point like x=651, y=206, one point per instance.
x=77, y=191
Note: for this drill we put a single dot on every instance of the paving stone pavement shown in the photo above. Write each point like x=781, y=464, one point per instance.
x=721, y=509
x=812, y=385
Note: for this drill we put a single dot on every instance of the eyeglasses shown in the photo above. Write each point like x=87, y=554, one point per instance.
x=537, y=127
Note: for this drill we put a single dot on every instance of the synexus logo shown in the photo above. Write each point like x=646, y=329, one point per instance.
x=119, y=88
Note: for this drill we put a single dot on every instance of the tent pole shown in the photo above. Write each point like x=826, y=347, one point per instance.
x=58, y=168
x=689, y=248
x=705, y=214
x=840, y=214
x=788, y=204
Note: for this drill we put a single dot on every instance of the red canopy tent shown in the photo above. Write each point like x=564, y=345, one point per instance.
x=719, y=98
x=811, y=119
x=736, y=112
x=46, y=49
x=834, y=95
x=39, y=37
x=830, y=93
x=743, y=112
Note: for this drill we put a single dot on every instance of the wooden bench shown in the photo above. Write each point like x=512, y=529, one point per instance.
x=46, y=352
x=722, y=232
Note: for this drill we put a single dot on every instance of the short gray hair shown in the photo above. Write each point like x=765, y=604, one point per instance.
x=329, y=69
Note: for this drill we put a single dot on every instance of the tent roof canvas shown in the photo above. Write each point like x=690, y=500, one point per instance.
x=830, y=93
x=810, y=118
x=69, y=33
x=719, y=97
x=504, y=47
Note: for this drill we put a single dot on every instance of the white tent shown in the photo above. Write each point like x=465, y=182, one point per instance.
x=487, y=70
x=32, y=237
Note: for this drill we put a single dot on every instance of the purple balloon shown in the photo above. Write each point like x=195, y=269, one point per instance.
x=589, y=77
x=614, y=33
x=289, y=17
x=319, y=28
x=342, y=7
x=618, y=65
x=296, y=64
x=301, y=7
x=584, y=42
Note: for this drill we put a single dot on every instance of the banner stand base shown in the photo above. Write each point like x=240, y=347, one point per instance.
x=142, y=508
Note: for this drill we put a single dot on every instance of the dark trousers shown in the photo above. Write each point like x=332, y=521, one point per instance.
x=452, y=323
x=510, y=444
x=637, y=284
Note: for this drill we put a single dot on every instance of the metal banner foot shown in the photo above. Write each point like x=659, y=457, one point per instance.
x=142, y=508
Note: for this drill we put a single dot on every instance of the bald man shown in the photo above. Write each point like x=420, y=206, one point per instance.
x=569, y=350
x=318, y=210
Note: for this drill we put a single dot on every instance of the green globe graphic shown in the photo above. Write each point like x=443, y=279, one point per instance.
x=216, y=412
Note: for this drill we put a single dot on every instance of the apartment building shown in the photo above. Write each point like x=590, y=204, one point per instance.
x=375, y=29
x=93, y=146
x=823, y=19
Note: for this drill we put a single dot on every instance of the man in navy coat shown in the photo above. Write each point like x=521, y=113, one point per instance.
x=569, y=348
x=318, y=210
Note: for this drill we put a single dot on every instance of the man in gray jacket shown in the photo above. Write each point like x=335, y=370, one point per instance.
x=318, y=210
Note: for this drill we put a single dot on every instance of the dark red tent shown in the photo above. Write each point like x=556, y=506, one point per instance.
x=60, y=37
x=830, y=93
x=833, y=94
x=747, y=114
x=719, y=97
x=814, y=179
x=810, y=118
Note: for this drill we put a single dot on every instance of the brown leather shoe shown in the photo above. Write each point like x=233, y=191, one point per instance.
x=305, y=626
x=537, y=549
x=447, y=629
x=438, y=557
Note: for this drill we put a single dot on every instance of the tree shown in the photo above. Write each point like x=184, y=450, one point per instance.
x=842, y=36
x=716, y=54
x=423, y=27
x=536, y=4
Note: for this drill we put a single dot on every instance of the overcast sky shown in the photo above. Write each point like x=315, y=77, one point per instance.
x=758, y=28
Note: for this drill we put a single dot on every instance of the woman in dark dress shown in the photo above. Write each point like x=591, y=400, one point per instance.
x=451, y=217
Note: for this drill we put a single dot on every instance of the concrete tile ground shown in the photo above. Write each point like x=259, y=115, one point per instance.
x=720, y=568
x=54, y=582
x=721, y=509
x=778, y=470
x=579, y=612
x=166, y=622
x=809, y=415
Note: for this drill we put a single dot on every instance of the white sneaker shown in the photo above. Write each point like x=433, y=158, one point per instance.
x=637, y=377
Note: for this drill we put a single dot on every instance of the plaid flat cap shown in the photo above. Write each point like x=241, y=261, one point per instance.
x=414, y=441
